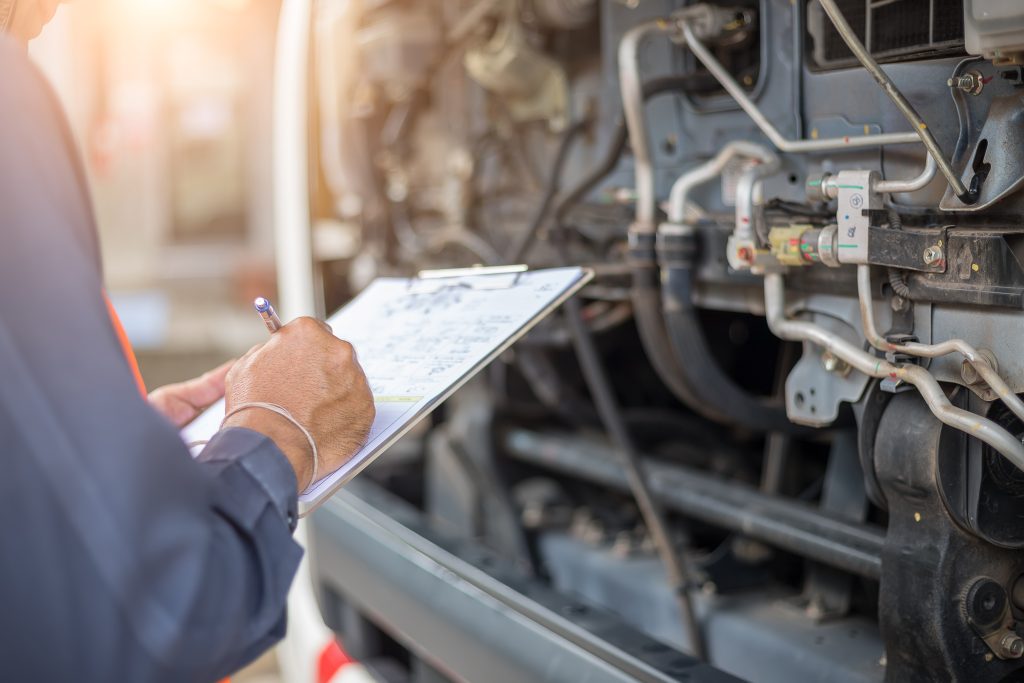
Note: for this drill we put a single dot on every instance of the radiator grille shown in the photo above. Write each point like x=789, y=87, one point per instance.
x=892, y=30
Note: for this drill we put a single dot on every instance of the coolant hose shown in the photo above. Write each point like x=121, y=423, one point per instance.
x=717, y=395
x=650, y=324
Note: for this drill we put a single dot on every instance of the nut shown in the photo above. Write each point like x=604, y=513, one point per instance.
x=933, y=255
x=1012, y=646
x=971, y=82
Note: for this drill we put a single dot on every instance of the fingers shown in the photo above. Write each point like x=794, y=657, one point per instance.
x=205, y=390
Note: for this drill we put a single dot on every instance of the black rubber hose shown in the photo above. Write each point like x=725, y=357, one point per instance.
x=677, y=568
x=645, y=295
x=718, y=393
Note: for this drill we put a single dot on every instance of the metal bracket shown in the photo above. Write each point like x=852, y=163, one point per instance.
x=923, y=250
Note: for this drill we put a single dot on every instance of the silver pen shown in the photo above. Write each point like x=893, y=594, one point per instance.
x=267, y=312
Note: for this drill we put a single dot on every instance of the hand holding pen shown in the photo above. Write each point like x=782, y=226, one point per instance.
x=314, y=378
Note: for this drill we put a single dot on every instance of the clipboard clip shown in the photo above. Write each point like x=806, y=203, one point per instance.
x=475, y=277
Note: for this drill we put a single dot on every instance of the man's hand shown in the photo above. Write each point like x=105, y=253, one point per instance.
x=316, y=377
x=181, y=403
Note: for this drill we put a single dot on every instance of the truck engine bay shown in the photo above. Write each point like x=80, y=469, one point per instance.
x=779, y=436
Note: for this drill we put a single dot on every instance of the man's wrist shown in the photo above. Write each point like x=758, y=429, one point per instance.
x=285, y=436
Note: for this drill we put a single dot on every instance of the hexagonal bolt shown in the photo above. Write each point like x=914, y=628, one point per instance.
x=970, y=374
x=932, y=255
x=835, y=364
x=1012, y=646
x=971, y=82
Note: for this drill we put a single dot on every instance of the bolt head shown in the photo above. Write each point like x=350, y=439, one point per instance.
x=1012, y=646
x=835, y=365
x=968, y=373
x=932, y=255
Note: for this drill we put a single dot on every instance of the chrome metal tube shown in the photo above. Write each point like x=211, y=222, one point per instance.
x=910, y=184
x=901, y=102
x=633, y=107
x=708, y=171
x=974, y=425
x=782, y=143
x=749, y=197
x=970, y=354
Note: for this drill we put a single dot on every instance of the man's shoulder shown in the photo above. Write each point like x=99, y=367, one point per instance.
x=39, y=164
x=25, y=94
x=15, y=64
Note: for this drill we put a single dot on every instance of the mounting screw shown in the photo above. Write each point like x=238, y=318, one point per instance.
x=932, y=255
x=971, y=82
x=834, y=364
x=1012, y=646
x=970, y=374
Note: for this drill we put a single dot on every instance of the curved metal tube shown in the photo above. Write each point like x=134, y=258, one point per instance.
x=974, y=425
x=970, y=354
x=910, y=184
x=901, y=102
x=780, y=142
x=710, y=170
x=749, y=198
x=633, y=106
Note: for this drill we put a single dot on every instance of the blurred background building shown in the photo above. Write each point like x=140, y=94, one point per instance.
x=170, y=104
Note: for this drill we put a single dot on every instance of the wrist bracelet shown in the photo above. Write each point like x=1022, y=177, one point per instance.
x=283, y=412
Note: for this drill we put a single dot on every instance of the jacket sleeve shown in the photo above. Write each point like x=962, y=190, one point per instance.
x=129, y=559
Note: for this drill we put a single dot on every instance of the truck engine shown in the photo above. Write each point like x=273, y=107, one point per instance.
x=779, y=435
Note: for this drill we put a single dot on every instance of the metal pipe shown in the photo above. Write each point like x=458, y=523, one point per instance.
x=784, y=523
x=970, y=354
x=295, y=280
x=910, y=184
x=783, y=144
x=710, y=170
x=830, y=183
x=749, y=198
x=901, y=102
x=974, y=425
x=633, y=107
x=293, y=234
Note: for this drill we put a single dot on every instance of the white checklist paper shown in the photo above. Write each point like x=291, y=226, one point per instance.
x=418, y=340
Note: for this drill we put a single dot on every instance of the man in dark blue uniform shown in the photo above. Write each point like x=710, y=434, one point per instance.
x=121, y=557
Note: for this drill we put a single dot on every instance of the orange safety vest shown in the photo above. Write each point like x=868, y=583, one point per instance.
x=126, y=346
